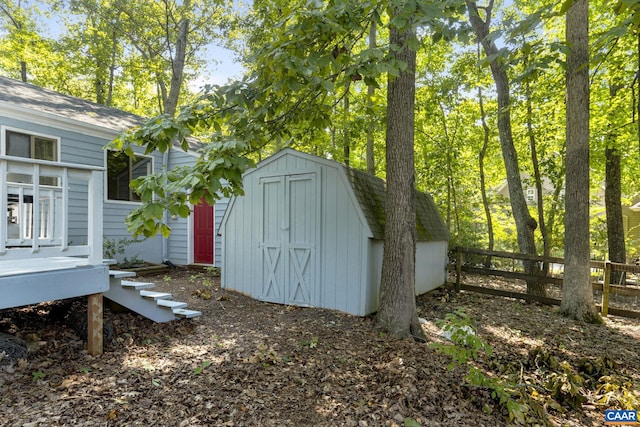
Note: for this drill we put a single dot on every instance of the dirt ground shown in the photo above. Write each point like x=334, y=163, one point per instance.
x=249, y=363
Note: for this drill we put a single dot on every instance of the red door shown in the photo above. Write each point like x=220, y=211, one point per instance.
x=203, y=233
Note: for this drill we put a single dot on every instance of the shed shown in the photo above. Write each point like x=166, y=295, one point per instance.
x=309, y=231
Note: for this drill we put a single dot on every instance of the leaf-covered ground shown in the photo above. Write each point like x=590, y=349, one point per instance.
x=248, y=363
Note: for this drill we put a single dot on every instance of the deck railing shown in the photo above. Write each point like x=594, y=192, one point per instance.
x=35, y=197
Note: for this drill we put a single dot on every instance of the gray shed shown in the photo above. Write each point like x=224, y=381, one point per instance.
x=309, y=231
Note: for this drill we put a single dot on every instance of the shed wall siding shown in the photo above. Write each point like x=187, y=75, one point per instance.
x=340, y=248
x=341, y=280
x=431, y=264
x=349, y=260
x=431, y=259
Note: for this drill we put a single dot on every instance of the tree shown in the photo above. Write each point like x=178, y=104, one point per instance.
x=290, y=94
x=397, y=313
x=577, y=293
x=525, y=224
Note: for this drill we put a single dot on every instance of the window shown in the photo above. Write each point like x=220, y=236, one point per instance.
x=121, y=170
x=21, y=144
x=31, y=146
x=531, y=195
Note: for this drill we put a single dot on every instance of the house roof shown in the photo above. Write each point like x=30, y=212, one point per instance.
x=35, y=98
x=371, y=194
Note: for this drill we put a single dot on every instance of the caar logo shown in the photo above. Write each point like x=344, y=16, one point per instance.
x=620, y=417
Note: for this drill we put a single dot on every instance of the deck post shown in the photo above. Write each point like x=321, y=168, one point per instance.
x=94, y=324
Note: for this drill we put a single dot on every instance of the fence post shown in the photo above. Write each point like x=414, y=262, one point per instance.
x=459, y=259
x=605, y=288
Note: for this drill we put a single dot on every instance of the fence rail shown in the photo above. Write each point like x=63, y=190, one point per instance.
x=605, y=286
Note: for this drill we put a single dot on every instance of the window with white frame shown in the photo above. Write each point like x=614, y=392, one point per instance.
x=20, y=194
x=531, y=195
x=22, y=144
x=121, y=170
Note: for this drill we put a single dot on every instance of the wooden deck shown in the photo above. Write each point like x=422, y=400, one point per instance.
x=31, y=281
x=39, y=265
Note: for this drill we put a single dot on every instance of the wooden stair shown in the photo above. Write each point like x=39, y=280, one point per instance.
x=137, y=296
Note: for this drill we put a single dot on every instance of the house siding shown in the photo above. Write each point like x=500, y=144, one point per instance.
x=83, y=129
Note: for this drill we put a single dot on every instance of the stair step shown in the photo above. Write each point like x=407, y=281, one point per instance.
x=186, y=314
x=154, y=295
x=171, y=304
x=136, y=285
x=119, y=274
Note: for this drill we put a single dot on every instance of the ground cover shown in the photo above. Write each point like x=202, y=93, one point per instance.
x=249, y=363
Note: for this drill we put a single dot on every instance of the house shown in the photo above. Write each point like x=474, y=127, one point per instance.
x=309, y=231
x=63, y=194
x=65, y=129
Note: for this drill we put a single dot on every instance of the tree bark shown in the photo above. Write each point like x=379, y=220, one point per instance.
x=546, y=239
x=371, y=163
x=177, y=69
x=483, y=187
x=397, y=311
x=613, y=206
x=577, y=293
x=525, y=224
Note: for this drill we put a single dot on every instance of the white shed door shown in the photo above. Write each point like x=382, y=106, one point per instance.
x=290, y=229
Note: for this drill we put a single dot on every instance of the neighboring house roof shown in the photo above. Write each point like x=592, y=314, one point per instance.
x=371, y=194
x=35, y=98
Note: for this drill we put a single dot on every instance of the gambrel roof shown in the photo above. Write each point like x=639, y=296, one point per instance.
x=371, y=194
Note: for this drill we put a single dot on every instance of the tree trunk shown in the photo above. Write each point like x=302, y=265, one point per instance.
x=525, y=224
x=346, y=143
x=546, y=239
x=371, y=163
x=397, y=312
x=613, y=206
x=577, y=293
x=483, y=187
x=177, y=69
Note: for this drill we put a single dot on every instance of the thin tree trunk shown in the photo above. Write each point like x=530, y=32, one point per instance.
x=23, y=71
x=451, y=187
x=577, y=293
x=177, y=69
x=483, y=186
x=371, y=163
x=525, y=224
x=546, y=243
x=613, y=199
x=346, y=143
x=112, y=67
x=397, y=312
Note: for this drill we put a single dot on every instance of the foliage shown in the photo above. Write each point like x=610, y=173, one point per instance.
x=112, y=247
x=541, y=383
x=200, y=368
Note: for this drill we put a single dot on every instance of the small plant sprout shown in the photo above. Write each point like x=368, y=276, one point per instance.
x=37, y=375
x=198, y=370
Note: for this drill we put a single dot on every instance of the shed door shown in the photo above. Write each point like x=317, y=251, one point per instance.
x=203, y=233
x=290, y=229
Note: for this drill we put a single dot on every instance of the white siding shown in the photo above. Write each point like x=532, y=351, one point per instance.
x=349, y=260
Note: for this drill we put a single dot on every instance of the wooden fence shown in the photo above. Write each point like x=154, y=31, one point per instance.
x=605, y=286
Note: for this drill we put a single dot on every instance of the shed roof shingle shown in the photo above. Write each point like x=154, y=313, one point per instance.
x=371, y=194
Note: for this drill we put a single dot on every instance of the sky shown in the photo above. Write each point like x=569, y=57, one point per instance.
x=221, y=65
